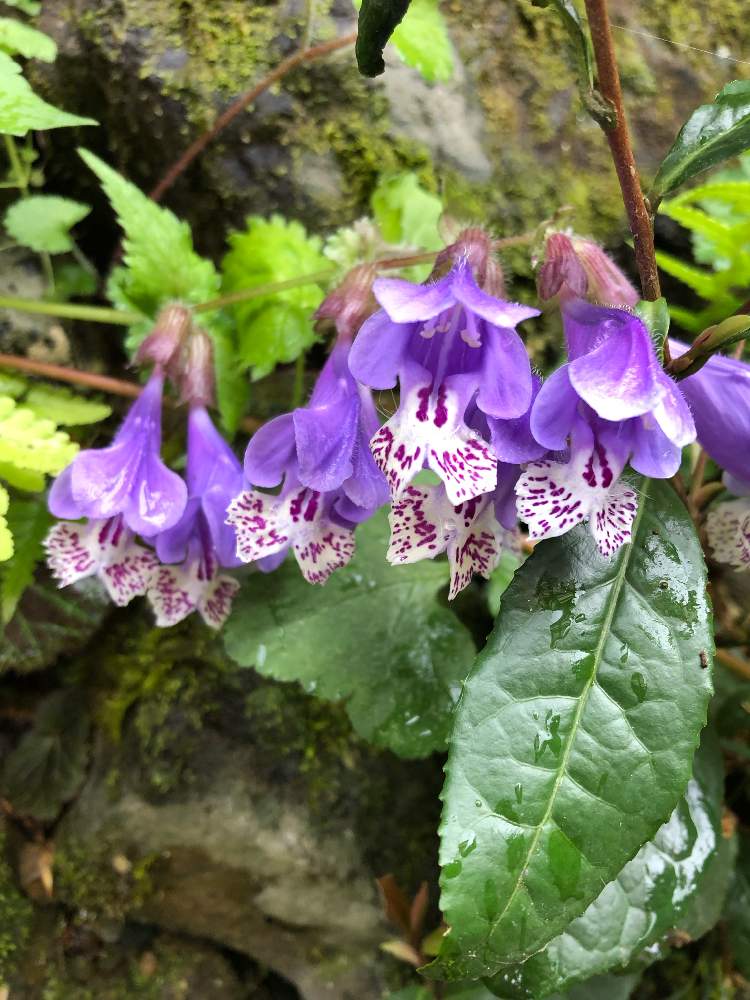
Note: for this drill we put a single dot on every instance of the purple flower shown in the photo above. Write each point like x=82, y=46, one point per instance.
x=201, y=542
x=728, y=524
x=449, y=344
x=719, y=397
x=424, y=523
x=128, y=477
x=106, y=549
x=610, y=403
x=331, y=482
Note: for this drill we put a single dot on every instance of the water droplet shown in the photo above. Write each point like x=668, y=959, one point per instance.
x=452, y=869
x=478, y=803
x=624, y=653
x=519, y=793
x=639, y=686
x=260, y=655
x=466, y=847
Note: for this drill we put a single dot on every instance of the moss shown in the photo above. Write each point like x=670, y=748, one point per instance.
x=102, y=888
x=15, y=916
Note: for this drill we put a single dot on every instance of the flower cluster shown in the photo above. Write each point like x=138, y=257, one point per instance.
x=477, y=444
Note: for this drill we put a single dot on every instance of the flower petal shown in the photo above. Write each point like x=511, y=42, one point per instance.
x=378, y=350
x=611, y=520
x=324, y=550
x=61, y=501
x=159, y=499
x=554, y=410
x=173, y=594
x=512, y=440
x=260, y=533
x=728, y=530
x=475, y=545
x=215, y=603
x=130, y=576
x=270, y=452
x=417, y=526
x=72, y=553
x=406, y=302
x=498, y=312
x=672, y=413
x=506, y=387
x=325, y=437
x=653, y=453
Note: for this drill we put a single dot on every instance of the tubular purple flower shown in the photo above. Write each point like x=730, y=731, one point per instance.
x=719, y=397
x=200, y=543
x=128, y=477
x=448, y=344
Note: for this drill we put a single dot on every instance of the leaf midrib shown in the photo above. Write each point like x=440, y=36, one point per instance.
x=613, y=601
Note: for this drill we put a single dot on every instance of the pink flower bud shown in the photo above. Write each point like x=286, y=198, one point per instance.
x=193, y=370
x=350, y=303
x=166, y=339
x=607, y=284
x=578, y=268
x=475, y=246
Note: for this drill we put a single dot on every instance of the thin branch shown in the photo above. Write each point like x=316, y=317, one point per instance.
x=738, y=666
x=71, y=310
x=74, y=376
x=298, y=58
x=622, y=150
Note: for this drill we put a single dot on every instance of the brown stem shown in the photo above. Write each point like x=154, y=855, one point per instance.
x=303, y=55
x=622, y=151
x=112, y=386
x=739, y=666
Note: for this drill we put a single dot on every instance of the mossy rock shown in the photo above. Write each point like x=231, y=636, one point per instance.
x=15, y=914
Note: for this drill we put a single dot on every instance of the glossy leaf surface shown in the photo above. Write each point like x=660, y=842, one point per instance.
x=580, y=718
x=645, y=901
x=375, y=635
x=712, y=134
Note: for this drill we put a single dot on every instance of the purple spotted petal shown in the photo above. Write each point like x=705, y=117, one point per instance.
x=554, y=411
x=498, y=312
x=719, y=397
x=739, y=487
x=406, y=302
x=618, y=373
x=270, y=452
x=378, y=351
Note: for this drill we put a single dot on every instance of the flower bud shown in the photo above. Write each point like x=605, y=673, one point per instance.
x=578, y=268
x=350, y=303
x=475, y=246
x=166, y=340
x=193, y=371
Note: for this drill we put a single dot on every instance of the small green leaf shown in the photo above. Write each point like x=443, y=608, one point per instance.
x=574, y=737
x=29, y=522
x=30, y=7
x=375, y=636
x=579, y=51
x=377, y=21
x=406, y=212
x=6, y=536
x=43, y=222
x=66, y=408
x=22, y=479
x=48, y=766
x=161, y=264
x=273, y=328
x=17, y=38
x=423, y=43
x=713, y=133
x=31, y=442
x=501, y=579
x=643, y=903
x=20, y=108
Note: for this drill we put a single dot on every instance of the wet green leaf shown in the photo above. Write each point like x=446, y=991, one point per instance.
x=646, y=899
x=378, y=20
x=20, y=108
x=48, y=766
x=375, y=635
x=43, y=222
x=712, y=134
x=573, y=741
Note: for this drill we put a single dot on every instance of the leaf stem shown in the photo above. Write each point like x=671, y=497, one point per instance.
x=737, y=665
x=302, y=55
x=71, y=310
x=244, y=294
x=621, y=148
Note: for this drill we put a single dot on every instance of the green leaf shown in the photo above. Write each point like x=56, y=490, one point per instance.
x=643, y=903
x=65, y=407
x=43, y=222
x=6, y=536
x=49, y=622
x=705, y=908
x=656, y=317
x=713, y=133
x=377, y=21
x=30, y=7
x=737, y=911
x=579, y=50
x=232, y=388
x=423, y=43
x=501, y=579
x=12, y=385
x=273, y=328
x=20, y=108
x=375, y=635
x=17, y=38
x=22, y=479
x=48, y=766
x=29, y=522
x=574, y=737
x=406, y=212
x=31, y=442
x=161, y=264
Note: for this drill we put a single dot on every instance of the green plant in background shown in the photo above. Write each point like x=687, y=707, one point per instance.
x=717, y=215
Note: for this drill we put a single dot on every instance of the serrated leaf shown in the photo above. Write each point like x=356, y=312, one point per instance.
x=161, y=264
x=375, y=635
x=579, y=719
x=273, y=328
x=48, y=622
x=66, y=408
x=43, y=222
x=22, y=479
x=423, y=43
x=406, y=212
x=6, y=536
x=12, y=385
x=48, y=766
x=701, y=282
x=713, y=133
x=17, y=38
x=643, y=903
x=377, y=21
x=29, y=521
x=21, y=110
x=30, y=442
